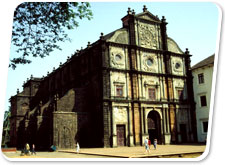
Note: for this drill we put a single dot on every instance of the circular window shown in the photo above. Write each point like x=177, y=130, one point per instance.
x=177, y=65
x=149, y=62
x=118, y=57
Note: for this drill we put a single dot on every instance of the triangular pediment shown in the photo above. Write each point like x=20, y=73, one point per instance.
x=148, y=16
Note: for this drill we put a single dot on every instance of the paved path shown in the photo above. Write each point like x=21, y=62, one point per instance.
x=139, y=152
x=120, y=152
x=63, y=155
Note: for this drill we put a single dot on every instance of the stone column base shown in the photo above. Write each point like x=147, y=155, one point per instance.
x=167, y=138
x=114, y=141
x=131, y=141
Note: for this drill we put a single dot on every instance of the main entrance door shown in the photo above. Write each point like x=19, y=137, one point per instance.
x=120, y=135
x=154, y=126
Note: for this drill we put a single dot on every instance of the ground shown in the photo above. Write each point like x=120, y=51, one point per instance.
x=162, y=151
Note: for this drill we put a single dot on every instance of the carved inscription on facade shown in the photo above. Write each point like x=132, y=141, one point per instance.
x=147, y=36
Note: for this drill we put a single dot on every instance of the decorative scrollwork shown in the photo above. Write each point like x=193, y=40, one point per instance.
x=147, y=36
x=149, y=63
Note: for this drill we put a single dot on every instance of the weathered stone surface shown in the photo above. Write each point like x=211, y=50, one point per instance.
x=67, y=102
x=64, y=129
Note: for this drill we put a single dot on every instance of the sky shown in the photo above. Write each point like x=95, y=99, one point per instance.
x=191, y=25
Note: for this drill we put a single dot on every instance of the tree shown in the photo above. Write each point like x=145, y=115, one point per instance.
x=6, y=129
x=38, y=27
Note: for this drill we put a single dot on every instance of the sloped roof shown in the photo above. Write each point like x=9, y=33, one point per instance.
x=173, y=46
x=109, y=35
x=205, y=62
x=149, y=16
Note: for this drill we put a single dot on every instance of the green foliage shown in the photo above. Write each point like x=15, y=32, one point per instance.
x=39, y=26
x=6, y=128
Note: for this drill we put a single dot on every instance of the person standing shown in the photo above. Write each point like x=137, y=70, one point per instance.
x=78, y=148
x=27, y=149
x=149, y=144
x=146, y=145
x=155, y=143
x=33, y=150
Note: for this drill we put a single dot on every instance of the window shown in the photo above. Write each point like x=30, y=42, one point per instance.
x=149, y=62
x=177, y=65
x=203, y=101
x=205, y=126
x=119, y=90
x=152, y=94
x=118, y=57
x=180, y=94
x=201, y=78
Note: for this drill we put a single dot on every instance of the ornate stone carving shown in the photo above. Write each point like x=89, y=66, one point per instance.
x=150, y=81
x=149, y=62
x=119, y=79
x=177, y=65
x=117, y=57
x=147, y=36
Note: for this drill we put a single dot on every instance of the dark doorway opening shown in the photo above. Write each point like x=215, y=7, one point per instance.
x=121, y=140
x=154, y=126
x=183, y=132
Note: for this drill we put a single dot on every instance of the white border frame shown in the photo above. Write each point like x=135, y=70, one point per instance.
x=7, y=9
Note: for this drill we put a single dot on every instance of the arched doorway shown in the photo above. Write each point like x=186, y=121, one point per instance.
x=154, y=126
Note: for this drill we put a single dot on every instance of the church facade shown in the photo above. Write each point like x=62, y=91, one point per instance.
x=131, y=84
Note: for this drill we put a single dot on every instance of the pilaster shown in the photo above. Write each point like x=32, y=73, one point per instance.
x=130, y=127
x=106, y=124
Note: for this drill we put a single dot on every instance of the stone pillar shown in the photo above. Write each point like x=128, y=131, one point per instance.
x=164, y=124
x=144, y=125
x=137, y=123
x=164, y=33
x=173, y=127
x=114, y=133
x=141, y=126
x=130, y=126
x=106, y=124
x=168, y=120
x=167, y=127
x=164, y=120
x=162, y=128
x=191, y=94
x=146, y=122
